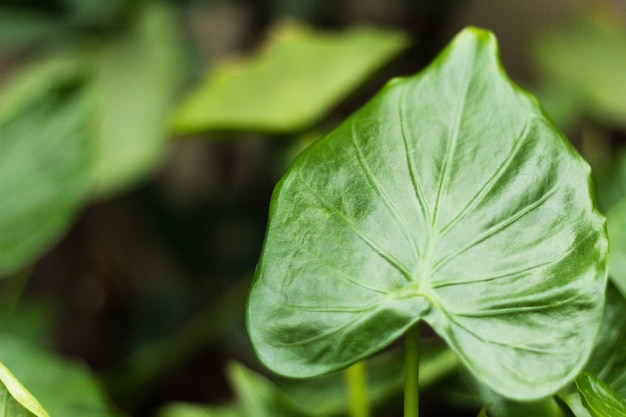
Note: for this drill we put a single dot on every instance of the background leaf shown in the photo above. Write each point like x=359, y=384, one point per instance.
x=63, y=387
x=584, y=61
x=608, y=360
x=297, y=78
x=136, y=77
x=598, y=398
x=15, y=400
x=449, y=198
x=45, y=162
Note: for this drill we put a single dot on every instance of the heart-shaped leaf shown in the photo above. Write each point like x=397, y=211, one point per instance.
x=598, y=398
x=449, y=198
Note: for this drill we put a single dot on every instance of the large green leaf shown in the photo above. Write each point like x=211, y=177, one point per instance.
x=45, y=161
x=448, y=198
x=598, y=398
x=293, y=82
x=15, y=400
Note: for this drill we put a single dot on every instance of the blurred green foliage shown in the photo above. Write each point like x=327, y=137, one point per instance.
x=91, y=92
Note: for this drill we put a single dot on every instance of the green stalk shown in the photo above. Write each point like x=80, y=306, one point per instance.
x=357, y=390
x=411, y=372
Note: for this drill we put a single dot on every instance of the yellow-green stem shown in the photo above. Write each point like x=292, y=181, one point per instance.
x=357, y=389
x=411, y=372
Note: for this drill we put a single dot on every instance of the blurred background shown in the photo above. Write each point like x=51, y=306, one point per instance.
x=139, y=145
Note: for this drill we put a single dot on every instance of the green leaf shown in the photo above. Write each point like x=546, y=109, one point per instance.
x=45, y=161
x=135, y=79
x=598, y=398
x=449, y=198
x=15, y=400
x=63, y=387
x=291, y=83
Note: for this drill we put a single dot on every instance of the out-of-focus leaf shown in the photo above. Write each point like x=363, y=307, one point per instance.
x=608, y=360
x=135, y=81
x=327, y=395
x=192, y=410
x=610, y=181
x=291, y=83
x=63, y=388
x=15, y=400
x=616, y=226
x=483, y=411
x=258, y=397
x=449, y=198
x=566, y=410
x=21, y=27
x=587, y=58
x=45, y=163
x=504, y=407
x=598, y=398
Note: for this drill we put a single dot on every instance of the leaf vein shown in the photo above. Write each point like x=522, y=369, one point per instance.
x=451, y=145
x=404, y=226
x=490, y=183
x=493, y=230
x=395, y=263
x=415, y=181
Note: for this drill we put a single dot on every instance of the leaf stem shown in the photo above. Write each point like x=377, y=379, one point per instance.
x=357, y=389
x=411, y=372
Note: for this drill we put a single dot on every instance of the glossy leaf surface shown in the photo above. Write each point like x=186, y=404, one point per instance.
x=598, y=398
x=45, y=161
x=15, y=400
x=298, y=77
x=448, y=198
